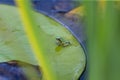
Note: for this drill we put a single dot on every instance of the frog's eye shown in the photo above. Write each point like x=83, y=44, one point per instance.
x=59, y=41
x=59, y=38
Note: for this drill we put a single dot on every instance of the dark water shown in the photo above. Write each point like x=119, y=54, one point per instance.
x=50, y=6
x=55, y=5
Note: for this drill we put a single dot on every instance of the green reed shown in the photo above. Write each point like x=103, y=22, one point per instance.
x=103, y=29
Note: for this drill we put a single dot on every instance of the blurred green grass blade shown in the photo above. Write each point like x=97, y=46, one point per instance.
x=95, y=55
x=102, y=40
x=113, y=41
x=35, y=40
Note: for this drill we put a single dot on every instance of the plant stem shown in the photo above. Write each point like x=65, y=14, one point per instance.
x=35, y=40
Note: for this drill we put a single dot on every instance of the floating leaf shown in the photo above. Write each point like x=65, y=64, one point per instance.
x=68, y=62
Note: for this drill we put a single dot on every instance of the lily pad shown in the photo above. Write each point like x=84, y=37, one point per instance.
x=67, y=61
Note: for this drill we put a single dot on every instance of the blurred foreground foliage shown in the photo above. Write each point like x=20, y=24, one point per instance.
x=103, y=29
